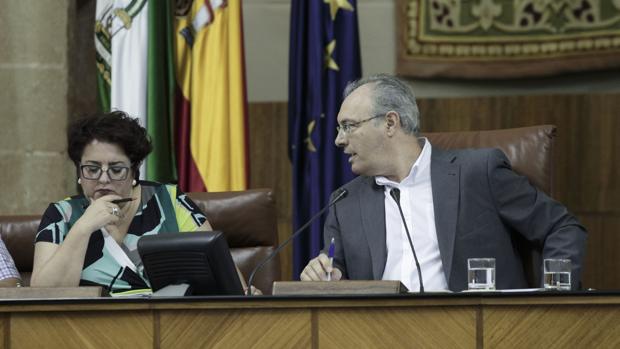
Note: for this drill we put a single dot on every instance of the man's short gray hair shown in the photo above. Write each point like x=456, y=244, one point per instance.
x=391, y=93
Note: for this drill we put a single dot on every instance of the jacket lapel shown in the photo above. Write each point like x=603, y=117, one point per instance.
x=445, y=185
x=372, y=203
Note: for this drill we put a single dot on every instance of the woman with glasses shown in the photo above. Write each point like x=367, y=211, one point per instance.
x=91, y=239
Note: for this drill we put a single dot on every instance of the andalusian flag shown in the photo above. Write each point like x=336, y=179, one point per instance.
x=121, y=49
x=103, y=53
x=161, y=85
x=211, y=121
x=135, y=61
x=121, y=34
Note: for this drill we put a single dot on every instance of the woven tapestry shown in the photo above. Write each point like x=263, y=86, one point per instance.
x=506, y=39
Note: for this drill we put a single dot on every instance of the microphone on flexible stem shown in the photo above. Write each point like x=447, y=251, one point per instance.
x=395, y=193
x=340, y=193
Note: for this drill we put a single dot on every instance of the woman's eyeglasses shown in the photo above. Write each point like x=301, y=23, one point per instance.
x=94, y=172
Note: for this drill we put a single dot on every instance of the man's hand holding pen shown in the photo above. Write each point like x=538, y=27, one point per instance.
x=330, y=255
x=321, y=268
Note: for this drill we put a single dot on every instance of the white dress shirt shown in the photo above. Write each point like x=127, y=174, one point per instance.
x=416, y=199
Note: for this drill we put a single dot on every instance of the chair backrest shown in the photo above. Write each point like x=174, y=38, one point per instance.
x=247, y=218
x=18, y=233
x=530, y=151
x=249, y=221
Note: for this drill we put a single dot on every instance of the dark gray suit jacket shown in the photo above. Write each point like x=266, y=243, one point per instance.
x=480, y=204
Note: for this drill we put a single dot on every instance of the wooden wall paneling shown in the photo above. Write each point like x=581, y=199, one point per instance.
x=587, y=150
x=583, y=182
x=270, y=166
x=600, y=155
x=594, y=277
x=285, y=227
x=608, y=265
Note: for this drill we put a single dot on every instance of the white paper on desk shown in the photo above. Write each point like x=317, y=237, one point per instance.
x=521, y=290
x=431, y=292
x=508, y=290
x=140, y=293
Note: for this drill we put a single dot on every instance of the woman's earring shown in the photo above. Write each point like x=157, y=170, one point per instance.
x=79, y=180
x=134, y=183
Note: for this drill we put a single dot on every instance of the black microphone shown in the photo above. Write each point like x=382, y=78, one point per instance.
x=340, y=193
x=395, y=193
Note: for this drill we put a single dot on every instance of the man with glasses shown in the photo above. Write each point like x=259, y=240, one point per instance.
x=457, y=204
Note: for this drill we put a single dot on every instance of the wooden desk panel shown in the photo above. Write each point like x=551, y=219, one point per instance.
x=448, y=321
x=234, y=328
x=397, y=327
x=4, y=330
x=110, y=329
x=552, y=326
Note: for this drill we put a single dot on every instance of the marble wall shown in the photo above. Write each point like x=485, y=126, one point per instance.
x=34, y=77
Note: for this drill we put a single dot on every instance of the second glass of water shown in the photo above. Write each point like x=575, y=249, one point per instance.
x=481, y=274
x=557, y=274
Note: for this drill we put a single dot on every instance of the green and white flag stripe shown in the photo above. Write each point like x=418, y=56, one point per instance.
x=160, y=91
x=121, y=41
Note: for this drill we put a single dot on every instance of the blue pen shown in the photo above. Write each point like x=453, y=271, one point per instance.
x=330, y=255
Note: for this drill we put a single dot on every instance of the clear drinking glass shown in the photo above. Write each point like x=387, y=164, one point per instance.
x=481, y=273
x=557, y=274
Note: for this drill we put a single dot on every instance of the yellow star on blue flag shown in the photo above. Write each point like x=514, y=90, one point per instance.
x=309, y=144
x=330, y=63
x=335, y=5
x=324, y=56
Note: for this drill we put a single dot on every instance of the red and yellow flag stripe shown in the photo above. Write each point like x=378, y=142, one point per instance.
x=211, y=108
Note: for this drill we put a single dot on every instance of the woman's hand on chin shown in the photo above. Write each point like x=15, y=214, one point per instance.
x=99, y=213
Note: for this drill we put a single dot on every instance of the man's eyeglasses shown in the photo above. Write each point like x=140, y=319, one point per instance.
x=350, y=126
x=115, y=173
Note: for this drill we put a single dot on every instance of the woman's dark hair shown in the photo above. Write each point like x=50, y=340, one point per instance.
x=116, y=128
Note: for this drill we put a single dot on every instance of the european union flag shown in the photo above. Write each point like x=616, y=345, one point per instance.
x=324, y=56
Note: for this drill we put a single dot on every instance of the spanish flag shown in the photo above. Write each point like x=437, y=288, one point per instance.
x=210, y=121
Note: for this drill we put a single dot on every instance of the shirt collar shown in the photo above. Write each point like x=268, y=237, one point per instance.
x=419, y=167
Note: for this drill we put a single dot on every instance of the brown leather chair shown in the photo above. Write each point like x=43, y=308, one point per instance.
x=249, y=221
x=530, y=151
x=18, y=234
x=247, y=218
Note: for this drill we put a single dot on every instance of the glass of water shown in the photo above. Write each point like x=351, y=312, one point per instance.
x=557, y=274
x=481, y=274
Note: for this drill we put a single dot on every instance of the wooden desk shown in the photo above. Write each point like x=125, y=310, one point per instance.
x=442, y=321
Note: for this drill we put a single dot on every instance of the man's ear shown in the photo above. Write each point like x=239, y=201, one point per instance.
x=392, y=121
